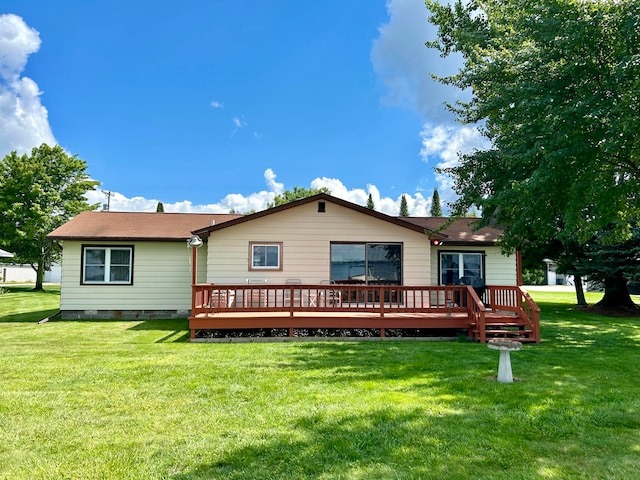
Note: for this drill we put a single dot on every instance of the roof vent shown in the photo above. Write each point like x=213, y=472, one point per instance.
x=322, y=207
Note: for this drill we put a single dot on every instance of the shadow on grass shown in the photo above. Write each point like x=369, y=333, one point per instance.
x=178, y=329
x=564, y=326
x=380, y=444
x=29, y=317
x=390, y=443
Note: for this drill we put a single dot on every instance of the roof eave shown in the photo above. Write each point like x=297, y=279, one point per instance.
x=117, y=239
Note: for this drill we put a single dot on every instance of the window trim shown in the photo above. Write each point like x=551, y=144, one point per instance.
x=253, y=268
x=86, y=247
x=482, y=254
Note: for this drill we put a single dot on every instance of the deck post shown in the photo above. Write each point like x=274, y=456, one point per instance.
x=382, y=333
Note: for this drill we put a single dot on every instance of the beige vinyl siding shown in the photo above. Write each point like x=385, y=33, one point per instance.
x=161, y=279
x=499, y=269
x=306, y=236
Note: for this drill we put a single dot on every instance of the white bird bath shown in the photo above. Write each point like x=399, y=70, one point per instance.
x=505, y=347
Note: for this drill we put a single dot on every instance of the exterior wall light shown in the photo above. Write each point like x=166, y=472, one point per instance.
x=194, y=241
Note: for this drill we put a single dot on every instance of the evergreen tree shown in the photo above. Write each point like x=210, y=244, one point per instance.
x=436, y=208
x=160, y=208
x=370, y=204
x=404, y=208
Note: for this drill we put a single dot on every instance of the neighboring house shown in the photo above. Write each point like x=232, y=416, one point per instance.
x=21, y=273
x=138, y=265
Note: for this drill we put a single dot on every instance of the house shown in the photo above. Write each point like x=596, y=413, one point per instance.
x=128, y=265
x=139, y=265
x=11, y=272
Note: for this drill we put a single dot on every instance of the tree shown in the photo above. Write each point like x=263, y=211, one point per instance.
x=556, y=89
x=297, y=193
x=404, y=208
x=160, y=208
x=612, y=265
x=436, y=207
x=38, y=193
x=370, y=204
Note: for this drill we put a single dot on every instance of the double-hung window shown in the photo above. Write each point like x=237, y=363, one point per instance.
x=107, y=265
x=265, y=256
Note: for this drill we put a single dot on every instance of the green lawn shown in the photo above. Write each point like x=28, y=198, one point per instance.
x=135, y=400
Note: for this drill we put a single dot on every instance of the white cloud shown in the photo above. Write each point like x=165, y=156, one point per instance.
x=418, y=205
x=216, y=104
x=444, y=144
x=257, y=201
x=24, y=120
x=270, y=179
x=238, y=123
x=405, y=64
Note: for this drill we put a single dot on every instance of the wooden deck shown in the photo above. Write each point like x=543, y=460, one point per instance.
x=505, y=312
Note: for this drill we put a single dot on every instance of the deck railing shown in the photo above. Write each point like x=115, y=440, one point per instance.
x=453, y=306
x=211, y=299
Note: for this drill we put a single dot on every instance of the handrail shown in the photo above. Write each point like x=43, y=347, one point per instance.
x=517, y=300
x=478, y=311
x=533, y=311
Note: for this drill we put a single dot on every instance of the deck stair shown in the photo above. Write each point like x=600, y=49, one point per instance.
x=506, y=329
x=507, y=325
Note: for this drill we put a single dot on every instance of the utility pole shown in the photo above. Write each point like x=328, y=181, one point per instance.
x=108, y=205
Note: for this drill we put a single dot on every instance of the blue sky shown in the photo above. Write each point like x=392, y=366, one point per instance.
x=213, y=105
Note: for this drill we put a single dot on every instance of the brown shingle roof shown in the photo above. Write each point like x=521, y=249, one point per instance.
x=460, y=231
x=136, y=226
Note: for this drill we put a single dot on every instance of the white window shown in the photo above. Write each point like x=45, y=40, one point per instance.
x=107, y=265
x=265, y=256
x=454, y=265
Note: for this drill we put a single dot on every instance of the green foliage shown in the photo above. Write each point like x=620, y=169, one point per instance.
x=436, y=207
x=297, y=193
x=160, y=208
x=38, y=193
x=404, y=208
x=370, y=204
x=556, y=90
x=533, y=276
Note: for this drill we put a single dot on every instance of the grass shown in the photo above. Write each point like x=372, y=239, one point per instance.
x=135, y=400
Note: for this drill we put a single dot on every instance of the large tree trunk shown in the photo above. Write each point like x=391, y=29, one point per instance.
x=40, y=276
x=616, y=295
x=582, y=301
